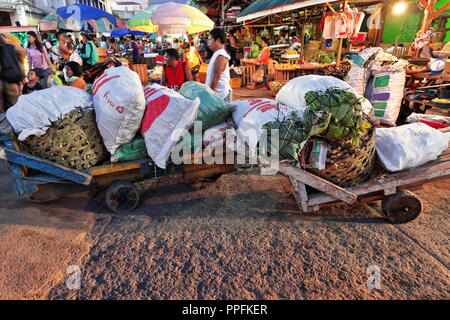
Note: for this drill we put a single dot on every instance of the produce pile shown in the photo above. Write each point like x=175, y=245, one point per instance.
x=286, y=66
x=323, y=57
x=275, y=86
x=347, y=122
x=156, y=73
x=335, y=71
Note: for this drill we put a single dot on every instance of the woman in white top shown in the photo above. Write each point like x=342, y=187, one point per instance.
x=218, y=74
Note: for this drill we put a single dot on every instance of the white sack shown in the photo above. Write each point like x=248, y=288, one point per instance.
x=387, y=96
x=409, y=146
x=250, y=116
x=357, y=78
x=34, y=113
x=416, y=117
x=167, y=117
x=218, y=135
x=119, y=104
x=292, y=94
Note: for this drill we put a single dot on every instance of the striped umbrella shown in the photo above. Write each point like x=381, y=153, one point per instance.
x=101, y=25
x=170, y=18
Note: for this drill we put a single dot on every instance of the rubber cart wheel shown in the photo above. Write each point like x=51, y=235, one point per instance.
x=122, y=197
x=401, y=207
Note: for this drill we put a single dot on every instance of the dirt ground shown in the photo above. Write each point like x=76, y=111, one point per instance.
x=239, y=237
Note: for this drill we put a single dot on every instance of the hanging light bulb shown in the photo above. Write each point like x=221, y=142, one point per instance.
x=399, y=8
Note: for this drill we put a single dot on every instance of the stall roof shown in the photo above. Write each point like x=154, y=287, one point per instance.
x=262, y=8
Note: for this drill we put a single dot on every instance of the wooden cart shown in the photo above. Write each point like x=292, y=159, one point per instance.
x=398, y=204
x=45, y=180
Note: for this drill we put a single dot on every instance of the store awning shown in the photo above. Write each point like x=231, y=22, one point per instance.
x=262, y=8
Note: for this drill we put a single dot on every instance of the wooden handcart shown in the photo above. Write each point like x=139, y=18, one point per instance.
x=45, y=180
x=398, y=204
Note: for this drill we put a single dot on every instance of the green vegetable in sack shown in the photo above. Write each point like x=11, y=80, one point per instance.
x=135, y=150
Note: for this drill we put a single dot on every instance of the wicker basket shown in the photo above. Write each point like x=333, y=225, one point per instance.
x=73, y=141
x=348, y=165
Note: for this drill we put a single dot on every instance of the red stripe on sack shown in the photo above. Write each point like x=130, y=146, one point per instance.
x=102, y=83
x=97, y=81
x=153, y=110
x=257, y=106
x=150, y=92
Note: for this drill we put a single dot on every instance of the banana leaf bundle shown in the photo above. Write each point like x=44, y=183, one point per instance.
x=347, y=122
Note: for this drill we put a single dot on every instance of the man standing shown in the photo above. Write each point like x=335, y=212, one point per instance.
x=218, y=74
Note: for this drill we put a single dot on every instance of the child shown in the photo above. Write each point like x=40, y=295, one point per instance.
x=33, y=82
x=73, y=75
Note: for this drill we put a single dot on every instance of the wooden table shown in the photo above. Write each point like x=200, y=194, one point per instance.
x=425, y=105
x=430, y=79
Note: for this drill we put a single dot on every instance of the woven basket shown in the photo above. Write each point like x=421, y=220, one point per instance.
x=348, y=165
x=73, y=141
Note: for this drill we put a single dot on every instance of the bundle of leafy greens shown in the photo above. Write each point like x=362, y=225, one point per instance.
x=347, y=122
x=335, y=113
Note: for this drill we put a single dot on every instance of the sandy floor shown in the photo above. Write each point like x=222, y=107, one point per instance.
x=240, y=237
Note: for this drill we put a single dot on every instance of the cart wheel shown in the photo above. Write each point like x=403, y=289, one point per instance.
x=401, y=207
x=122, y=197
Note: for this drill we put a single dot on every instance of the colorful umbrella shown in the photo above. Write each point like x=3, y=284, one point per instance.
x=81, y=12
x=126, y=31
x=170, y=18
x=100, y=25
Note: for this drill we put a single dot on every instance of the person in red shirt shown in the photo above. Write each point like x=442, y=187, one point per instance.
x=175, y=72
x=263, y=61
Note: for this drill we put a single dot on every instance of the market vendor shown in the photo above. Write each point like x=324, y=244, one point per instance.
x=218, y=73
x=175, y=72
x=193, y=57
x=263, y=61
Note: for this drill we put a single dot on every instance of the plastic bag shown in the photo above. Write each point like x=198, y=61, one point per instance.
x=134, y=150
x=409, y=146
x=119, y=104
x=34, y=113
x=387, y=95
x=251, y=115
x=292, y=94
x=213, y=110
x=166, y=117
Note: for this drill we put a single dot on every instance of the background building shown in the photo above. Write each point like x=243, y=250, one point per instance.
x=29, y=12
x=125, y=9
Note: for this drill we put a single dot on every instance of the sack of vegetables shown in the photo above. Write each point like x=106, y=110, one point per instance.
x=335, y=117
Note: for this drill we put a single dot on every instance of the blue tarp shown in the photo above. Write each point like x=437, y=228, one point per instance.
x=126, y=31
x=85, y=13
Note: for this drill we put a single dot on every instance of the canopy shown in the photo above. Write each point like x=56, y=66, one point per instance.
x=82, y=12
x=170, y=18
x=52, y=22
x=126, y=31
x=188, y=2
x=262, y=8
